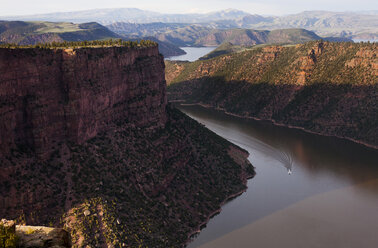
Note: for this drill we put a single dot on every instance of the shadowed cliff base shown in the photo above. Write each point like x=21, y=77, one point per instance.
x=132, y=186
x=343, y=110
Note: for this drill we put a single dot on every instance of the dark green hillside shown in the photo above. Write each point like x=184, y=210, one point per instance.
x=89, y=31
x=29, y=33
x=224, y=48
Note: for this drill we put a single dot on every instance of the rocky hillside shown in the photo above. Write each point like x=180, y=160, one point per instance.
x=349, y=24
x=323, y=87
x=89, y=144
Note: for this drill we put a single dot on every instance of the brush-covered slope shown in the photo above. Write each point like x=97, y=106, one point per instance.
x=30, y=33
x=324, y=87
x=88, y=143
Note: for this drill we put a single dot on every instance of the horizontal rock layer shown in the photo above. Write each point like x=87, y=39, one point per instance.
x=48, y=96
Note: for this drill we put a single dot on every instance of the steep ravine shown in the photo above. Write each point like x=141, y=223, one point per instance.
x=322, y=87
x=89, y=143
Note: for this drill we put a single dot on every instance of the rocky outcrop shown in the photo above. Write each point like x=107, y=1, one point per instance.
x=35, y=236
x=50, y=96
x=43, y=237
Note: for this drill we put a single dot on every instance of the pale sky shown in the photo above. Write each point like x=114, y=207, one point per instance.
x=262, y=7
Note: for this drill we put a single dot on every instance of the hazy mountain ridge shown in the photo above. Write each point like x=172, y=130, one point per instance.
x=249, y=37
x=107, y=16
x=357, y=25
x=199, y=35
x=344, y=24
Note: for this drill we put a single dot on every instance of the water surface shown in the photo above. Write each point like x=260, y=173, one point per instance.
x=309, y=191
x=192, y=53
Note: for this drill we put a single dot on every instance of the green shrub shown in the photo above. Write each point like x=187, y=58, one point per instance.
x=8, y=238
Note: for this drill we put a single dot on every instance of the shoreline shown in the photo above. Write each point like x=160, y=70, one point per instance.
x=182, y=102
x=212, y=214
x=245, y=176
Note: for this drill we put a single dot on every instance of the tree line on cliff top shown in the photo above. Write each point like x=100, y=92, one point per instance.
x=81, y=44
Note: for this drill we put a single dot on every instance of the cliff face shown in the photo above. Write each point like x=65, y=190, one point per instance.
x=327, y=88
x=52, y=96
x=110, y=161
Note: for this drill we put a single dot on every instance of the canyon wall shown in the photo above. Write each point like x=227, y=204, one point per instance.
x=322, y=87
x=51, y=96
x=110, y=161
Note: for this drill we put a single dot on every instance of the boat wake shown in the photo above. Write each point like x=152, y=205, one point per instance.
x=246, y=141
x=285, y=158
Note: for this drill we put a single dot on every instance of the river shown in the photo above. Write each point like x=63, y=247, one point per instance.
x=309, y=191
x=192, y=53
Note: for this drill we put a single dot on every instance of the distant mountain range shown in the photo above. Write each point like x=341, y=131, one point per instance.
x=169, y=36
x=237, y=40
x=107, y=16
x=199, y=35
x=355, y=25
x=30, y=33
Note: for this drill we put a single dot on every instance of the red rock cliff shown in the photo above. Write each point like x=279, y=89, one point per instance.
x=52, y=96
